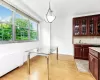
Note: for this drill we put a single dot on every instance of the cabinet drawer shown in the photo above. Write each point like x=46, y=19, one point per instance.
x=93, y=52
x=77, y=45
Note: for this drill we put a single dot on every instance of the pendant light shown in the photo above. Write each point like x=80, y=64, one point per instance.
x=50, y=17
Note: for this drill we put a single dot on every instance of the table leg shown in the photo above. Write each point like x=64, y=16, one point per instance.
x=57, y=53
x=48, y=66
x=28, y=63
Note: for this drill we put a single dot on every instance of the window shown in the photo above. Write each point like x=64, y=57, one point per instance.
x=33, y=30
x=5, y=24
x=23, y=28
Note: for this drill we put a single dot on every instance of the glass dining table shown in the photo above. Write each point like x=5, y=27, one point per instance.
x=41, y=52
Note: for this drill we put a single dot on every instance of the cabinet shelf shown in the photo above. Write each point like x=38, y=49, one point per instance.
x=86, y=26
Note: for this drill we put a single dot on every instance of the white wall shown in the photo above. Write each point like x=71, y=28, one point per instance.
x=15, y=48
x=62, y=35
x=45, y=34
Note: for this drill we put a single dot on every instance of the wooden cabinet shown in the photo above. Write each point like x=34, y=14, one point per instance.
x=78, y=51
x=83, y=26
x=91, y=63
x=95, y=67
x=81, y=51
x=98, y=25
x=86, y=26
x=85, y=53
x=80, y=26
x=76, y=26
x=94, y=63
x=91, y=26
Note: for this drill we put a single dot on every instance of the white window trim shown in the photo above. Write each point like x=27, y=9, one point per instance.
x=14, y=28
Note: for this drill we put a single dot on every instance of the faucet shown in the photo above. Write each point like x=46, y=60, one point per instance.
x=79, y=41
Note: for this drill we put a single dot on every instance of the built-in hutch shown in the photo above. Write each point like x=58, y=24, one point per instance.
x=86, y=26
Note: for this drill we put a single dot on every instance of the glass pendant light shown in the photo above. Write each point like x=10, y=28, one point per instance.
x=50, y=17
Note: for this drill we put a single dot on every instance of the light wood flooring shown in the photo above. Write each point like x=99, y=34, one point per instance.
x=63, y=69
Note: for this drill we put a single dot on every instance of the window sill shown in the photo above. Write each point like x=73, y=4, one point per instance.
x=9, y=42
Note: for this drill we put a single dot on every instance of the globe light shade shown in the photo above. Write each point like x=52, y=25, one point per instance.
x=50, y=17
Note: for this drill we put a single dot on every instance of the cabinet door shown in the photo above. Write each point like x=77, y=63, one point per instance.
x=91, y=26
x=91, y=63
x=76, y=26
x=84, y=26
x=95, y=67
x=85, y=53
x=98, y=25
x=78, y=52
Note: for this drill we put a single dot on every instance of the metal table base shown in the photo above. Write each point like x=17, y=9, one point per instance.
x=47, y=57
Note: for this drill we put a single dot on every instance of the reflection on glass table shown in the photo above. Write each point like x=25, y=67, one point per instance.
x=41, y=52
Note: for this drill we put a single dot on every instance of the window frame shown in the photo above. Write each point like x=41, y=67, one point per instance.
x=37, y=32
x=13, y=40
x=15, y=29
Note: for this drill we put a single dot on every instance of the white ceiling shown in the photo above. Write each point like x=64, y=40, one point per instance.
x=61, y=8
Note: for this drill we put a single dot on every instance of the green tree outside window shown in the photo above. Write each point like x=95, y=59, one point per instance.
x=25, y=29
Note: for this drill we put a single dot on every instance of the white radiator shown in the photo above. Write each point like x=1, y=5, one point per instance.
x=10, y=61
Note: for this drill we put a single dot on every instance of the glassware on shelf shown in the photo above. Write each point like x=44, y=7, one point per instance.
x=77, y=28
x=98, y=26
x=91, y=26
x=83, y=27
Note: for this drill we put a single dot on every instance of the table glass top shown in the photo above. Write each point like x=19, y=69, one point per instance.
x=44, y=50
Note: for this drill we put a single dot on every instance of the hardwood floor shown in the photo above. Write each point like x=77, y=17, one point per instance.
x=63, y=69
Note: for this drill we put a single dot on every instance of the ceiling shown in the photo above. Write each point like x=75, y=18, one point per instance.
x=61, y=8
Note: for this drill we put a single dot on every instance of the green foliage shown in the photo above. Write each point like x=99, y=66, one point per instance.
x=21, y=30
x=33, y=35
x=21, y=22
x=5, y=31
